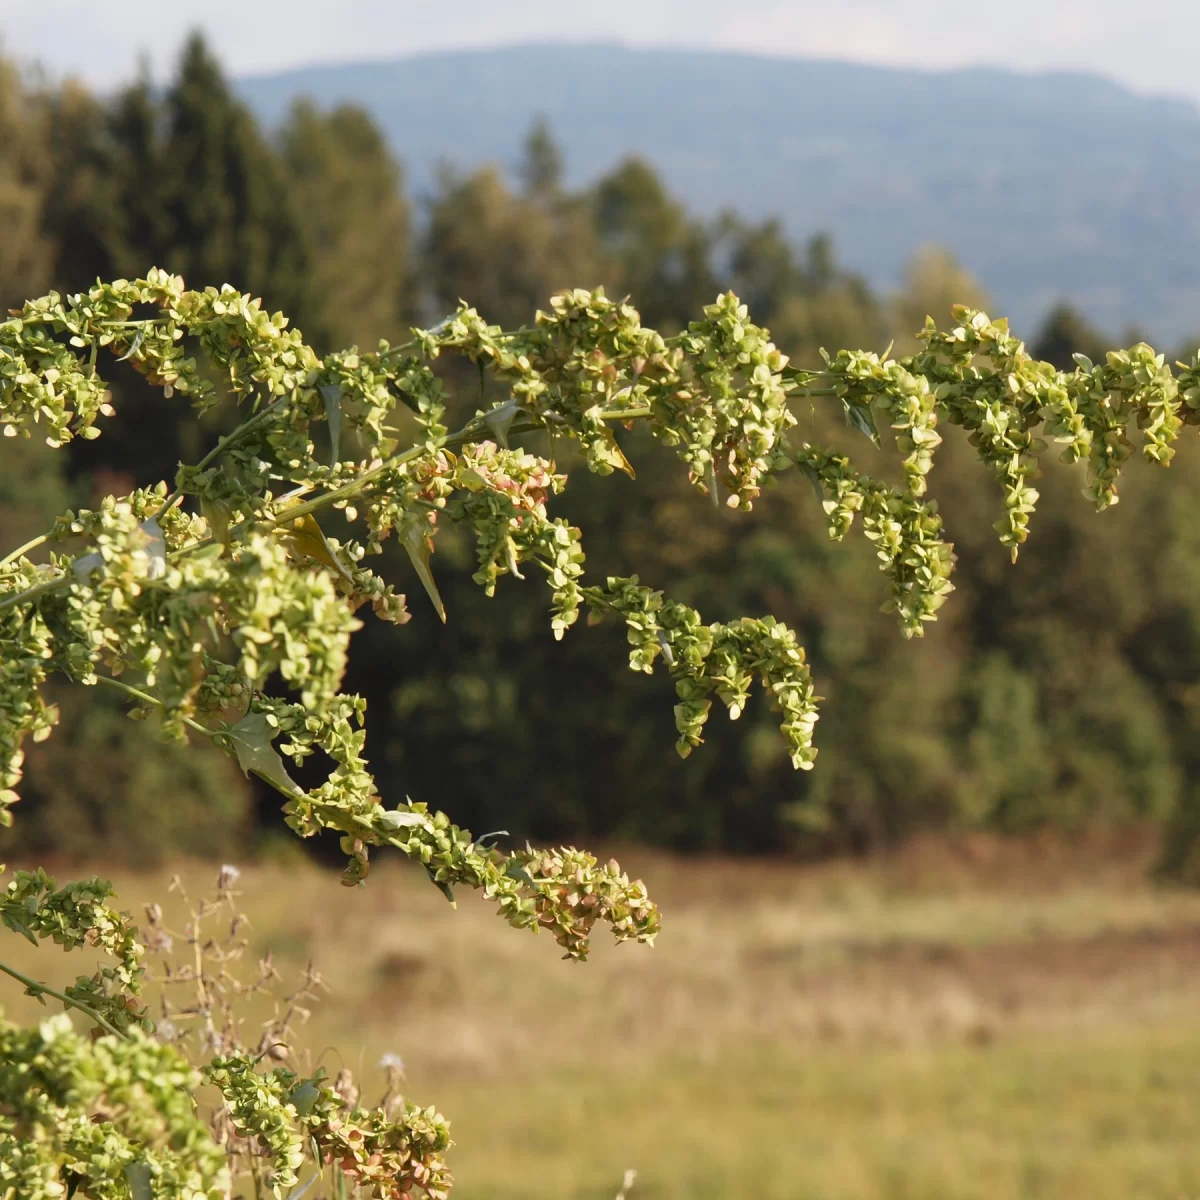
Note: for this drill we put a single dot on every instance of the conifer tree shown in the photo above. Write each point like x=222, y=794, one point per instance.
x=661, y=256
x=230, y=214
x=135, y=134
x=485, y=240
x=347, y=191
x=1064, y=333
x=541, y=167
x=25, y=250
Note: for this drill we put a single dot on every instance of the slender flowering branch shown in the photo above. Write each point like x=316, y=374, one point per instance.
x=24, y=548
x=206, y=589
x=36, y=988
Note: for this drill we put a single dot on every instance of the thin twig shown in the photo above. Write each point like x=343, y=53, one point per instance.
x=39, y=589
x=32, y=544
x=36, y=988
x=345, y=492
x=135, y=324
x=147, y=698
x=228, y=440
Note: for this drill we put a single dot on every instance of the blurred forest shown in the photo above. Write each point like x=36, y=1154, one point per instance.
x=1061, y=693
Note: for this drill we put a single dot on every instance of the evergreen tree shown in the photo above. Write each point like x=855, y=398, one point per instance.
x=659, y=256
x=541, y=167
x=346, y=188
x=762, y=266
x=25, y=249
x=1058, y=694
x=934, y=281
x=187, y=182
x=231, y=217
x=90, y=206
x=506, y=251
x=1064, y=333
x=829, y=307
x=139, y=162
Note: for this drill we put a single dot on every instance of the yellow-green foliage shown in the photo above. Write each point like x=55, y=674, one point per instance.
x=191, y=599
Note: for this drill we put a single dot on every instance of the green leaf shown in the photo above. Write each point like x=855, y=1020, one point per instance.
x=863, y=419
x=622, y=462
x=251, y=740
x=217, y=514
x=139, y=1177
x=332, y=395
x=155, y=549
x=665, y=646
x=18, y=926
x=304, y=1095
x=83, y=567
x=398, y=819
x=441, y=885
x=500, y=419
x=135, y=346
x=514, y=870
x=420, y=550
x=810, y=473
x=307, y=538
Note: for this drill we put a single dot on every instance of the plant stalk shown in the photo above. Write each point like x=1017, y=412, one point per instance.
x=32, y=544
x=147, y=698
x=235, y=435
x=36, y=988
x=345, y=492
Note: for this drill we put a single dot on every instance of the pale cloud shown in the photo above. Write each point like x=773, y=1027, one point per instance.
x=1148, y=46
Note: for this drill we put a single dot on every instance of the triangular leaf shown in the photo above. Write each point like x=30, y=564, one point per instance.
x=863, y=419
x=155, y=549
x=499, y=420
x=622, y=462
x=332, y=395
x=420, y=549
x=305, y=537
x=251, y=741
x=304, y=1188
x=85, y=564
x=514, y=870
x=217, y=513
x=304, y=1095
x=441, y=885
x=398, y=819
x=140, y=1178
x=134, y=347
x=810, y=473
x=665, y=646
x=18, y=926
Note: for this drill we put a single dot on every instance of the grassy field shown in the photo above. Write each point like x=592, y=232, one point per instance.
x=979, y=1022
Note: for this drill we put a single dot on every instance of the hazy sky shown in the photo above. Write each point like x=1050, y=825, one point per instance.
x=1150, y=45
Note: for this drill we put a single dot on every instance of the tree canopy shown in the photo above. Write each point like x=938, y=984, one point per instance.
x=1097, y=662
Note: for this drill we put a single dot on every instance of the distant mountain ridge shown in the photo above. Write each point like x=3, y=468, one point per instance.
x=1046, y=185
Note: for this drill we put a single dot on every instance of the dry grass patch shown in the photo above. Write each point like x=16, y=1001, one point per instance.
x=945, y=1024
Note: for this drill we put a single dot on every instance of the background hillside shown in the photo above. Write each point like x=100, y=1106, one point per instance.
x=980, y=993
x=1045, y=186
x=1059, y=694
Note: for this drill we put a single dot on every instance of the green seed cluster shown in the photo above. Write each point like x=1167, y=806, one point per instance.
x=190, y=596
